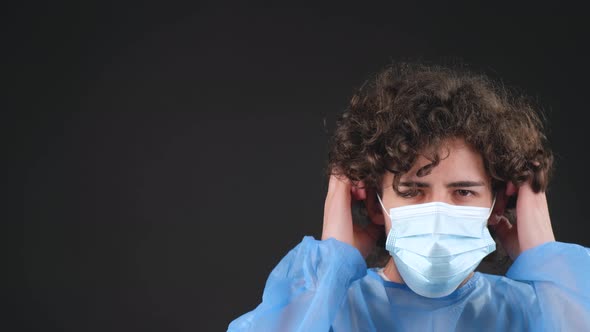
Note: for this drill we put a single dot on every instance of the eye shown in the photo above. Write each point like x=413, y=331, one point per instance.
x=464, y=192
x=410, y=193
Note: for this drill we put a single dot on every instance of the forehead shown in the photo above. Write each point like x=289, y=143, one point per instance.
x=459, y=161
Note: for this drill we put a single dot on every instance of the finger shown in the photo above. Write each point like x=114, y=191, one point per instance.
x=494, y=219
x=502, y=226
x=506, y=233
x=359, y=191
x=500, y=205
x=510, y=189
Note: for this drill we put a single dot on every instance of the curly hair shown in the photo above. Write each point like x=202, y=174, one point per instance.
x=408, y=109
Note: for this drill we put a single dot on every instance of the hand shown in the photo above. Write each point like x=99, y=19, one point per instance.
x=533, y=224
x=338, y=216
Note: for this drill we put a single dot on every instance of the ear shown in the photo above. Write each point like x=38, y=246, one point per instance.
x=504, y=196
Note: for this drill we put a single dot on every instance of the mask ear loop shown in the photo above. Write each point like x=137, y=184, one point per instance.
x=492, y=207
x=380, y=202
x=496, y=217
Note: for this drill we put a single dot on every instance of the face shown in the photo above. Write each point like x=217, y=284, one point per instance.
x=459, y=179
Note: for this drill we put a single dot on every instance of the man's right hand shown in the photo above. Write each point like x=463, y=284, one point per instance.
x=338, y=215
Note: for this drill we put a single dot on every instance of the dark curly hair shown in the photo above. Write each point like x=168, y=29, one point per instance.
x=408, y=109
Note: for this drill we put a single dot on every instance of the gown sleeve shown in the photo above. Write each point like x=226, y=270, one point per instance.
x=560, y=276
x=306, y=289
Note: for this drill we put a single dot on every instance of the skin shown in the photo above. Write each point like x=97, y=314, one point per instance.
x=458, y=179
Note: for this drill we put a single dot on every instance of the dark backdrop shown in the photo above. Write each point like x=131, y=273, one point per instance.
x=172, y=154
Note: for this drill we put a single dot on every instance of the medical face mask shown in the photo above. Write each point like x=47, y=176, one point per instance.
x=435, y=246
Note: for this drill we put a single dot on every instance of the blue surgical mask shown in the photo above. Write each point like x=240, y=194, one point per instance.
x=435, y=246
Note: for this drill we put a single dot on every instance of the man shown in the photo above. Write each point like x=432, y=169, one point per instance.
x=435, y=154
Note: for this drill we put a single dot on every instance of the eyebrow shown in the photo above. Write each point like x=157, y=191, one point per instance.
x=457, y=184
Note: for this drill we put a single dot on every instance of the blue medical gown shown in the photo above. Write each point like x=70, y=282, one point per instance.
x=326, y=286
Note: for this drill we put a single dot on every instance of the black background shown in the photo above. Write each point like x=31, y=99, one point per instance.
x=173, y=153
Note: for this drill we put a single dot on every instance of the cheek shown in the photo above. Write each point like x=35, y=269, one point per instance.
x=486, y=199
x=397, y=201
x=387, y=225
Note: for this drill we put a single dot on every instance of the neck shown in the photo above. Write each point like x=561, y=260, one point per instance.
x=391, y=272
